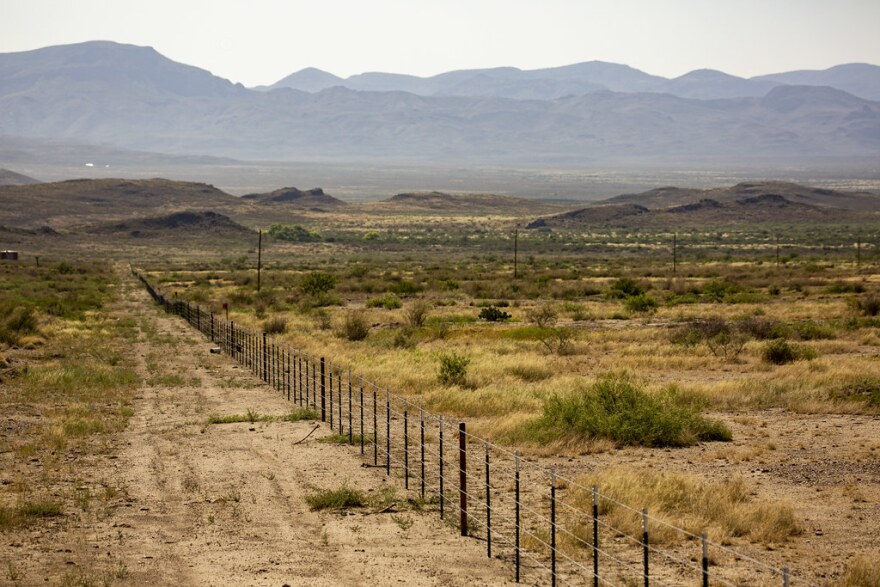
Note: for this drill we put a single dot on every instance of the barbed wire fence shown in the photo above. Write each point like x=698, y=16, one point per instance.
x=549, y=527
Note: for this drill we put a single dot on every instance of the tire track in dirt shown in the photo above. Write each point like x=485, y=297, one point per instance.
x=225, y=504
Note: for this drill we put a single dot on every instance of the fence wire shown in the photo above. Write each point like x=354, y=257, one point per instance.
x=524, y=512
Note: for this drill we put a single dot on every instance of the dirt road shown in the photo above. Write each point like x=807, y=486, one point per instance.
x=192, y=503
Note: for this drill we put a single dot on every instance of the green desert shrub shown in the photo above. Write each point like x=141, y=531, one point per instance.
x=640, y=304
x=336, y=499
x=625, y=287
x=781, y=352
x=616, y=408
x=867, y=305
x=493, y=314
x=416, y=313
x=389, y=301
x=354, y=326
x=292, y=233
x=275, y=325
x=317, y=283
x=453, y=369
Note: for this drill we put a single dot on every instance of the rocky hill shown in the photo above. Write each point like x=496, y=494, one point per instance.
x=746, y=203
x=314, y=198
x=88, y=201
x=8, y=177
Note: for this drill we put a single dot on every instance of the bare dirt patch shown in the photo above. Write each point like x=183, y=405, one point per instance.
x=177, y=501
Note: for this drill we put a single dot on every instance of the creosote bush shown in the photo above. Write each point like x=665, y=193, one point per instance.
x=616, y=408
x=625, y=287
x=558, y=341
x=640, y=304
x=389, y=301
x=416, y=313
x=354, y=326
x=493, y=314
x=317, y=283
x=542, y=316
x=453, y=369
x=867, y=305
x=275, y=325
x=781, y=352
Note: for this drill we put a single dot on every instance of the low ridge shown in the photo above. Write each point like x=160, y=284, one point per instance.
x=313, y=198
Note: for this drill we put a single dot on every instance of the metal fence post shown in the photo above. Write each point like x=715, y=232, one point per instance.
x=422, y=451
x=329, y=387
x=488, y=505
x=595, y=536
x=645, y=544
x=705, y=540
x=375, y=430
x=405, y=445
x=442, y=496
x=516, y=514
x=462, y=477
x=553, y=527
x=323, y=392
x=387, y=433
x=350, y=407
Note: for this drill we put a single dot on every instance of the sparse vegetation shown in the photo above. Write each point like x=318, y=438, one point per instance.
x=343, y=497
x=616, y=408
x=416, y=313
x=453, y=369
x=725, y=509
x=782, y=352
x=493, y=314
x=354, y=326
x=275, y=325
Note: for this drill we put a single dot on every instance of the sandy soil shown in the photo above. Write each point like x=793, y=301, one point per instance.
x=190, y=503
x=195, y=504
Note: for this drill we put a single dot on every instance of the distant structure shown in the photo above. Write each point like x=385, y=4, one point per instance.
x=9, y=255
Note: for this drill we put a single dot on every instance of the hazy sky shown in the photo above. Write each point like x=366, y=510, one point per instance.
x=261, y=41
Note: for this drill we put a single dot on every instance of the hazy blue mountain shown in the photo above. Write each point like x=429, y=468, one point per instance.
x=134, y=98
x=709, y=84
x=309, y=79
x=114, y=65
x=8, y=177
x=859, y=79
x=501, y=82
x=591, y=76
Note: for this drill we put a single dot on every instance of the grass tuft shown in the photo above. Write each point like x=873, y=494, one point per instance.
x=862, y=571
x=300, y=414
x=336, y=499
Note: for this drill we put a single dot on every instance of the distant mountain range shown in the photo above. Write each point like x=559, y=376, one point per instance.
x=859, y=79
x=122, y=96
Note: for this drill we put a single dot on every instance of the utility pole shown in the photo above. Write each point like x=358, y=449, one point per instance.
x=674, y=252
x=259, y=257
x=515, y=249
x=859, y=252
x=777, y=251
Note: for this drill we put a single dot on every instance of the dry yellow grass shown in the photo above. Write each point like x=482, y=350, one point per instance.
x=863, y=570
x=723, y=509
